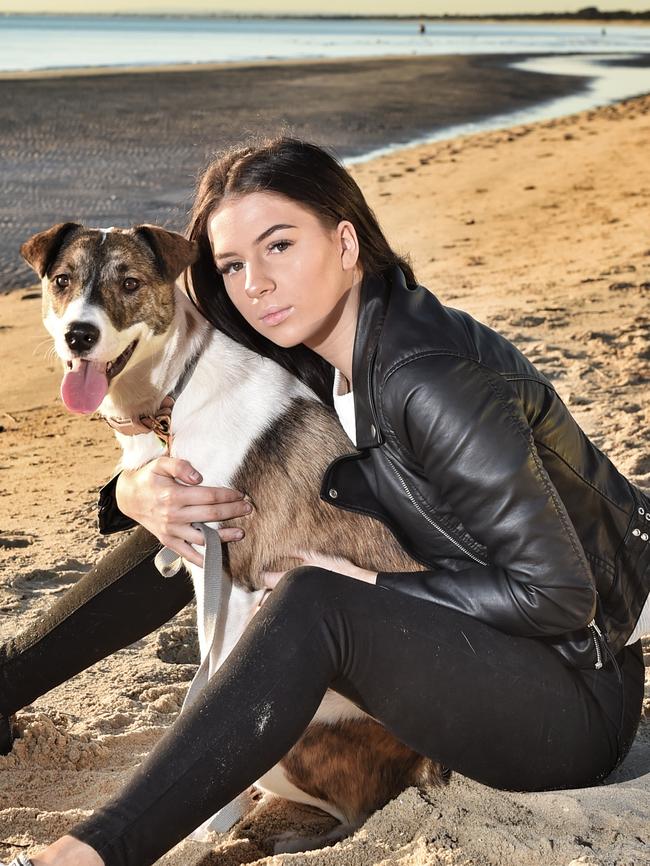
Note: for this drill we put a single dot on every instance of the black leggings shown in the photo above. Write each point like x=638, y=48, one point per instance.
x=503, y=710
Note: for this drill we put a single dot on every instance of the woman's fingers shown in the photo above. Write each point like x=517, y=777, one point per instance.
x=184, y=495
x=166, y=497
x=217, y=512
x=187, y=552
x=231, y=533
x=175, y=467
x=187, y=534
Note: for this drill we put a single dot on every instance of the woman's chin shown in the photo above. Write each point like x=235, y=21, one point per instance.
x=284, y=338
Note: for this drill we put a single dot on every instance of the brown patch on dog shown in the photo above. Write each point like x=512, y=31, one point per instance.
x=97, y=264
x=338, y=763
x=172, y=251
x=40, y=250
x=355, y=764
x=281, y=474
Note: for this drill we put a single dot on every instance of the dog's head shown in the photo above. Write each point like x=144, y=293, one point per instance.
x=108, y=299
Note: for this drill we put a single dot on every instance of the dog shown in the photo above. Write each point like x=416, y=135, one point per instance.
x=127, y=336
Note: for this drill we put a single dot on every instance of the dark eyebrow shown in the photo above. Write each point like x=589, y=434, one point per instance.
x=262, y=237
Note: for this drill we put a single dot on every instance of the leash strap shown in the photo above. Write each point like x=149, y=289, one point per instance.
x=212, y=600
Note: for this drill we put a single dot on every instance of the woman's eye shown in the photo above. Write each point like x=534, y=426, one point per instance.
x=231, y=268
x=62, y=281
x=280, y=246
x=130, y=284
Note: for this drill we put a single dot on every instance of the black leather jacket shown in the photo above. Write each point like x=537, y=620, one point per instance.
x=470, y=456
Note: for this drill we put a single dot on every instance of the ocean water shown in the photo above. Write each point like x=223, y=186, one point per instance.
x=50, y=42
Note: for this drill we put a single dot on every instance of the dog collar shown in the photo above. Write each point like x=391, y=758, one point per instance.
x=159, y=423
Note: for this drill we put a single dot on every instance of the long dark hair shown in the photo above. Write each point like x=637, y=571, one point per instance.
x=309, y=175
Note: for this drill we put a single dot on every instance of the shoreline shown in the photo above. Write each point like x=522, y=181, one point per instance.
x=125, y=148
x=217, y=66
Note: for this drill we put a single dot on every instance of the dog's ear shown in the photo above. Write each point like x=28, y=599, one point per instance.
x=172, y=251
x=41, y=249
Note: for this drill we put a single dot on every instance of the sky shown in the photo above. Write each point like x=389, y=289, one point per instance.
x=358, y=7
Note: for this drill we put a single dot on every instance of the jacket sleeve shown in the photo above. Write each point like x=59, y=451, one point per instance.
x=109, y=516
x=464, y=427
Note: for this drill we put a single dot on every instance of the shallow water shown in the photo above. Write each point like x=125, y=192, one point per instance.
x=50, y=42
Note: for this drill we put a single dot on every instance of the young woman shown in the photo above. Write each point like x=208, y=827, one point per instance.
x=515, y=659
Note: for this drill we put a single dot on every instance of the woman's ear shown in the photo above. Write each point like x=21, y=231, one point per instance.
x=349, y=245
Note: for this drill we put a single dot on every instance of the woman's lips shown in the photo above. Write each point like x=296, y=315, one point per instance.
x=276, y=316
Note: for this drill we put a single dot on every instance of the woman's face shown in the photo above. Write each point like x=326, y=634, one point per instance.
x=288, y=275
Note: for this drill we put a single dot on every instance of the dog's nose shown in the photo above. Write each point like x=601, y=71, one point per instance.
x=81, y=336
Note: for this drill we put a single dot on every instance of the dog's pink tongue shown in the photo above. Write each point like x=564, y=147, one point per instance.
x=84, y=386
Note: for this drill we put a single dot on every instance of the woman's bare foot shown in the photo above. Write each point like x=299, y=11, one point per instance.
x=67, y=851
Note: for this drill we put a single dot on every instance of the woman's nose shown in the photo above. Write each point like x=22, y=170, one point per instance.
x=257, y=283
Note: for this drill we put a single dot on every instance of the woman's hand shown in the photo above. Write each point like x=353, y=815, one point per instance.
x=321, y=560
x=165, y=497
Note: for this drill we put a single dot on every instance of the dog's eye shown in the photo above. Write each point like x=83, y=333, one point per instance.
x=62, y=281
x=131, y=284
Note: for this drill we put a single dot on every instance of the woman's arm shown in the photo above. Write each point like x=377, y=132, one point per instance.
x=464, y=425
x=166, y=497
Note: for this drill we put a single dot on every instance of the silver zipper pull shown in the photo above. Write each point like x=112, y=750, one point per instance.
x=599, y=656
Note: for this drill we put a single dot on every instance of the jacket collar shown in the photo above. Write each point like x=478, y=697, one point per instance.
x=373, y=304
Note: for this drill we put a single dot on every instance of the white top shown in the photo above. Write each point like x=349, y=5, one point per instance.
x=643, y=625
x=344, y=405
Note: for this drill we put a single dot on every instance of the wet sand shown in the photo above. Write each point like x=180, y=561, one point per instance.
x=541, y=232
x=123, y=146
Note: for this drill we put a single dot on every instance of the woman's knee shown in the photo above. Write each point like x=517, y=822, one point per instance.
x=310, y=585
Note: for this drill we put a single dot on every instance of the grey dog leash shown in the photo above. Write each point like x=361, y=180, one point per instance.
x=216, y=591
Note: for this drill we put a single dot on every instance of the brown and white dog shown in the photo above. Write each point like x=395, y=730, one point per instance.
x=126, y=335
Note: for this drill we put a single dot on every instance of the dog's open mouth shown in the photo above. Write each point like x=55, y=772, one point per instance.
x=85, y=383
x=114, y=368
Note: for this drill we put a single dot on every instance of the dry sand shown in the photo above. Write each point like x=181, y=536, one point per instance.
x=540, y=231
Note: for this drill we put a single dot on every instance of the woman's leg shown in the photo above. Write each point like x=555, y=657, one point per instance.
x=121, y=600
x=500, y=709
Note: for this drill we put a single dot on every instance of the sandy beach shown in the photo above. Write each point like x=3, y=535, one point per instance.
x=541, y=231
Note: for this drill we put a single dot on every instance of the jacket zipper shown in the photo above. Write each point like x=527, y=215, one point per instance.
x=429, y=519
x=596, y=631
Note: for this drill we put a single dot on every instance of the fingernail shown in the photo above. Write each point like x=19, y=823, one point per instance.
x=238, y=534
x=195, y=476
x=248, y=508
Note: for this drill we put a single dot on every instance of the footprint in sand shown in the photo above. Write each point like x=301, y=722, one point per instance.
x=9, y=541
x=528, y=321
x=621, y=287
x=42, y=581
